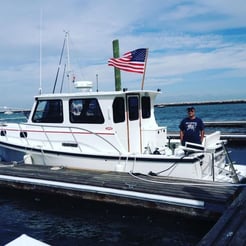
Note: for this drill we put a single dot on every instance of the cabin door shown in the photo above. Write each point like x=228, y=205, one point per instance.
x=134, y=123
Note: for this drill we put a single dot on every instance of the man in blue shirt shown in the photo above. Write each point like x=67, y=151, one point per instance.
x=191, y=128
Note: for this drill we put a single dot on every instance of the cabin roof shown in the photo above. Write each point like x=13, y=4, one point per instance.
x=96, y=94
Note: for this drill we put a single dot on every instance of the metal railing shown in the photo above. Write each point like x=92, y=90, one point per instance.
x=70, y=130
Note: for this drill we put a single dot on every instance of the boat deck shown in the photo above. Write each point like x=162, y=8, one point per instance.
x=163, y=193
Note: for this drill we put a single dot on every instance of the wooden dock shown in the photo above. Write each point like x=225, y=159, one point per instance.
x=162, y=193
x=230, y=228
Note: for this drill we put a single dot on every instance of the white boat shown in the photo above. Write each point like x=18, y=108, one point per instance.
x=26, y=240
x=111, y=131
x=7, y=110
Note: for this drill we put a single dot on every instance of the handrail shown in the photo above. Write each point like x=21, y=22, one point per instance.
x=98, y=135
x=234, y=173
x=21, y=130
x=75, y=139
x=70, y=130
x=213, y=167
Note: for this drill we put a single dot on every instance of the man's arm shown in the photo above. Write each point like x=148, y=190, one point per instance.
x=202, y=135
x=181, y=135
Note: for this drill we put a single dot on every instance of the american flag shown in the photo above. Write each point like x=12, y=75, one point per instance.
x=132, y=61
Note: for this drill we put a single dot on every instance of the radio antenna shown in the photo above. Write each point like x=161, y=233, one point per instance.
x=40, y=52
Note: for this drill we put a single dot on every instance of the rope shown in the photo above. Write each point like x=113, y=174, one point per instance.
x=222, y=184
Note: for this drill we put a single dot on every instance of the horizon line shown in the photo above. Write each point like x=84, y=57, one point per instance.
x=201, y=102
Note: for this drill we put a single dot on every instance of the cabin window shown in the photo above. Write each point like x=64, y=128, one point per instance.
x=133, y=108
x=119, y=110
x=85, y=111
x=145, y=107
x=48, y=111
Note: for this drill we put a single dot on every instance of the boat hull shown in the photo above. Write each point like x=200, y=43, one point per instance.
x=190, y=166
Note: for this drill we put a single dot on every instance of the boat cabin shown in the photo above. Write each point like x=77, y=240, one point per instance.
x=128, y=116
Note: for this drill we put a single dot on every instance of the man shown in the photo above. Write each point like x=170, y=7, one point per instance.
x=191, y=128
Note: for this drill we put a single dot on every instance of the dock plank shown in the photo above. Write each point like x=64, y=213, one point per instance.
x=215, y=198
x=125, y=181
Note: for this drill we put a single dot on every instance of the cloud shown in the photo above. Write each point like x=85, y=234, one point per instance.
x=188, y=41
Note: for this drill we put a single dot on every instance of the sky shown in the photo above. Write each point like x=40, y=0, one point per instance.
x=197, y=48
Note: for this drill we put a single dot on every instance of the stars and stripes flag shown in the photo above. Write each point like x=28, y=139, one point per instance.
x=132, y=61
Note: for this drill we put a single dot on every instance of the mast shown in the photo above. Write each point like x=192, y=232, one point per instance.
x=58, y=69
x=67, y=69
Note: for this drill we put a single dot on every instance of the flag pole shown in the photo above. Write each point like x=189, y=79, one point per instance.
x=117, y=76
x=145, y=63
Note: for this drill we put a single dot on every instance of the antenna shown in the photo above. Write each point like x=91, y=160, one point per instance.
x=97, y=81
x=68, y=60
x=40, y=52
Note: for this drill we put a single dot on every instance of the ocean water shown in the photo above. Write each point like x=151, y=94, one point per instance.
x=66, y=221
x=171, y=116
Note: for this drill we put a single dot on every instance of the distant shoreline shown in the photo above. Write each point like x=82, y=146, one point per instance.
x=160, y=105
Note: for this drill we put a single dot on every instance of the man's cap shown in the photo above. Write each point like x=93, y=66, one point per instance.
x=190, y=108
